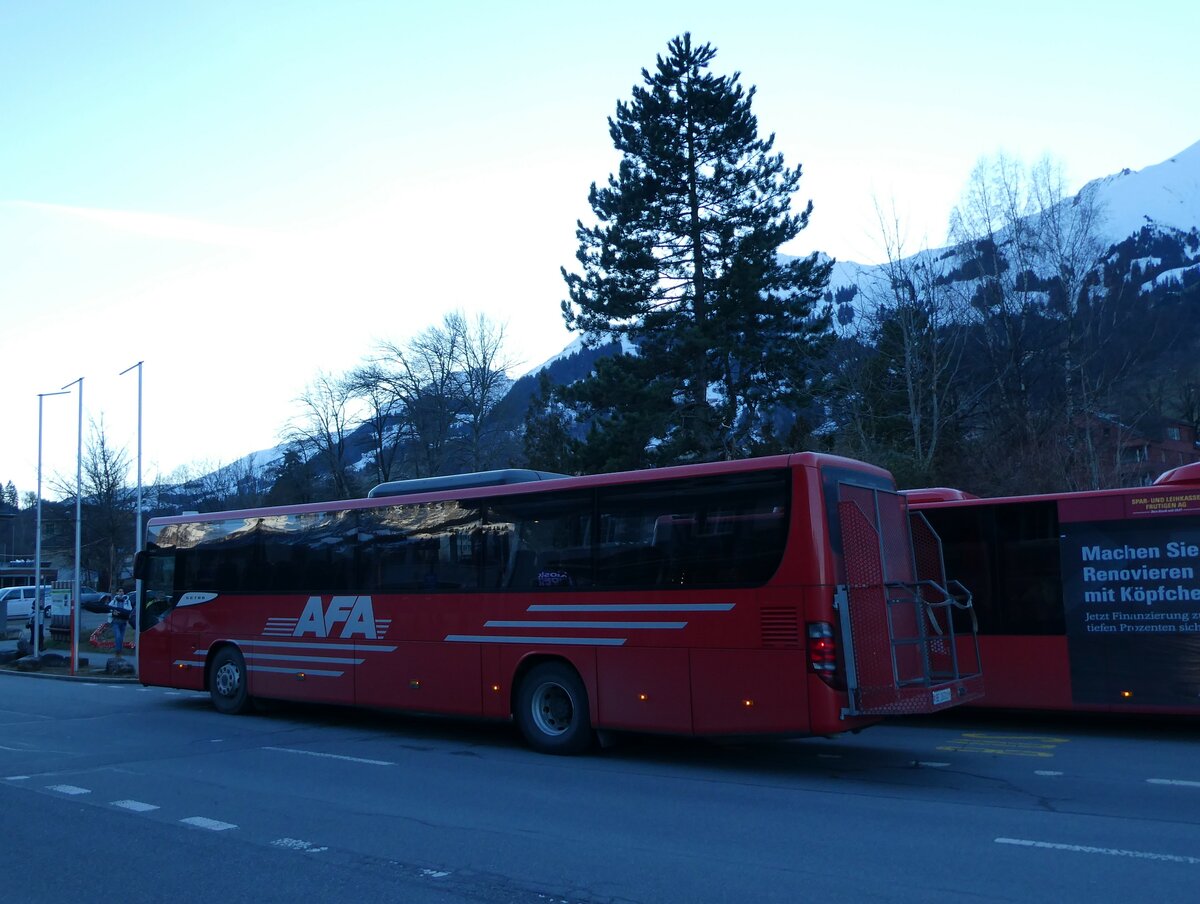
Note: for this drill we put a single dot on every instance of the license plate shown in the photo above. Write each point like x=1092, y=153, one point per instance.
x=942, y=696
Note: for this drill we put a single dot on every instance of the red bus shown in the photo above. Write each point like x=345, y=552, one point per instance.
x=1087, y=600
x=774, y=596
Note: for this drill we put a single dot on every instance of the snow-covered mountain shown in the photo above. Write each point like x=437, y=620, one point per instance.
x=1164, y=196
x=1149, y=222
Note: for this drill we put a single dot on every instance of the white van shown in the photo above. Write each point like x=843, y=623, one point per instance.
x=17, y=602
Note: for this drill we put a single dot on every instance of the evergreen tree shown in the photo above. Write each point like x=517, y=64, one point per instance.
x=683, y=263
x=546, y=434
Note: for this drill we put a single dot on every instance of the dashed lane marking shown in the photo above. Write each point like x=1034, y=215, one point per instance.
x=1183, y=783
x=136, y=806
x=295, y=844
x=69, y=789
x=203, y=822
x=1110, y=852
x=1048, y=772
x=331, y=756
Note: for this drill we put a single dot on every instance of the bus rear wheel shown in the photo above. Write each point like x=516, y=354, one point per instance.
x=227, y=682
x=552, y=710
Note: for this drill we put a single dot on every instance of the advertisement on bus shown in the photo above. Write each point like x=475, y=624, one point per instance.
x=1131, y=591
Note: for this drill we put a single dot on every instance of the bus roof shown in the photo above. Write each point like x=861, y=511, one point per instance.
x=503, y=477
x=1183, y=476
x=476, y=490
x=936, y=494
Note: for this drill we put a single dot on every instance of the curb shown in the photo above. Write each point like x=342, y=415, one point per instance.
x=98, y=677
x=101, y=677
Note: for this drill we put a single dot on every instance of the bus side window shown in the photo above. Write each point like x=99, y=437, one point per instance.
x=1008, y=557
x=548, y=537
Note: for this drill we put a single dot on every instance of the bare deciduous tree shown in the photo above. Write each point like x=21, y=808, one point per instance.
x=447, y=381
x=901, y=389
x=1051, y=334
x=106, y=505
x=485, y=381
x=424, y=376
x=371, y=386
x=323, y=426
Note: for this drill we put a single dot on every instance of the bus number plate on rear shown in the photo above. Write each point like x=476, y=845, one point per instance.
x=942, y=696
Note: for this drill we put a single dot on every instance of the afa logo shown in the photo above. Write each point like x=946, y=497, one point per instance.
x=354, y=614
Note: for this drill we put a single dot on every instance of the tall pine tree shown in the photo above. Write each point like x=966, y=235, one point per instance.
x=684, y=264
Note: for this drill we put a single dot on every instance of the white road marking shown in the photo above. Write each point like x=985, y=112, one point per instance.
x=295, y=844
x=69, y=789
x=1111, y=852
x=932, y=765
x=331, y=756
x=434, y=873
x=16, y=778
x=136, y=805
x=1173, y=781
x=1045, y=772
x=203, y=822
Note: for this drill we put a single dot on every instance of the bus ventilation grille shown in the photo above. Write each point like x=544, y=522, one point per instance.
x=780, y=628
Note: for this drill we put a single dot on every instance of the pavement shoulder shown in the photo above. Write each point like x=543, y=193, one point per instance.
x=55, y=666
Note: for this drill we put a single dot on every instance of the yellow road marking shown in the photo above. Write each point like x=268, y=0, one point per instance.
x=1005, y=745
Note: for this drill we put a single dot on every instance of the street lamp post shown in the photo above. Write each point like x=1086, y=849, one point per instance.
x=37, y=544
x=75, y=607
x=138, y=540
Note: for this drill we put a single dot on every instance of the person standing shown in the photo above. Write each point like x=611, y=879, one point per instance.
x=121, y=608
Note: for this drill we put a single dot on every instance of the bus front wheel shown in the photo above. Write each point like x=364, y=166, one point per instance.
x=552, y=710
x=227, y=682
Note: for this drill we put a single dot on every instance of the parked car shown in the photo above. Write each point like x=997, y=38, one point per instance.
x=93, y=600
x=17, y=604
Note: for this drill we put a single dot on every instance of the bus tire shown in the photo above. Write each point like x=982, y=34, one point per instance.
x=552, y=710
x=227, y=682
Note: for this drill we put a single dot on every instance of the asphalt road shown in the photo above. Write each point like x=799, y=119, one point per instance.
x=119, y=792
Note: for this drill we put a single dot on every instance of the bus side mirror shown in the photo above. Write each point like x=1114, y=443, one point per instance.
x=139, y=566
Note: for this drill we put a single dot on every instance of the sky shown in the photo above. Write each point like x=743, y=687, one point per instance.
x=243, y=195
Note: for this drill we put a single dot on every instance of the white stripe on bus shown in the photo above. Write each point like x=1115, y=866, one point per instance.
x=552, y=641
x=631, y=607
x=301, y=645
x=675, y=625
x=333, y=660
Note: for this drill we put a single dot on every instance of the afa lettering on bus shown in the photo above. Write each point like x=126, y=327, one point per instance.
x=355, y=614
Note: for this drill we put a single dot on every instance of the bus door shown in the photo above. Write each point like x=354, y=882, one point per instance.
x=901, y=656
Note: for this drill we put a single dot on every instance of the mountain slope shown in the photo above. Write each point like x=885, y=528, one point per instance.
x=1149, y=222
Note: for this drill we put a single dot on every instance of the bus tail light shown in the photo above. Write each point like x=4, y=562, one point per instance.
x=822, y=651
